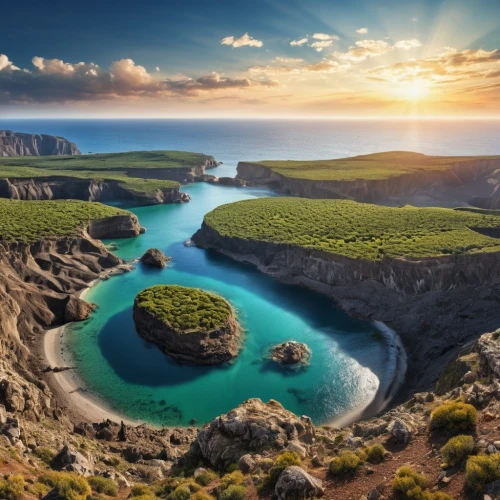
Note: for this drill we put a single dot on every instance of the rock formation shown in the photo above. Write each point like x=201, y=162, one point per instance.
x=20, y=144
x=155, y=258
x=290, y=353
x=294, y=482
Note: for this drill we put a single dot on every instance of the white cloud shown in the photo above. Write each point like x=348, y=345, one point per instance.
x=407, y=44
x=362, y=31
x=244, y=40
x=324, y=36
x=130, y=75
x=299, y=42
x=157, y=69
x=7, y=65
x=55, y=66
x=288, y=60
x=319, y=46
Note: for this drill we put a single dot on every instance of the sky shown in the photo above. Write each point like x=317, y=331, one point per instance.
x=258, y=59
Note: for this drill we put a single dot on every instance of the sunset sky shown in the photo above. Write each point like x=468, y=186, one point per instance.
x=275, y=58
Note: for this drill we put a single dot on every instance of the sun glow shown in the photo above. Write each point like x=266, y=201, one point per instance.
x=415, y=90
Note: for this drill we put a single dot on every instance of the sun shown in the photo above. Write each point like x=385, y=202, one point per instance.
x=415, y=90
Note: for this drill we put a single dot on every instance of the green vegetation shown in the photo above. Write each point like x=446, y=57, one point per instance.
x=45, y=454
x=233, y=492
x=346, y=464
x=481, y=470
x=284, y=460
x=206, y=478
x=182, y=492
x=139, y=490
x=377, y=166
x=31, y=221
x=69, y=486
x=457, y=449
x=230, y=486
x=356, y=230
x=454, y=416
x=103, y=485
x=409, y=484
x=12, y=488
x=375, y=454
x=184, y=309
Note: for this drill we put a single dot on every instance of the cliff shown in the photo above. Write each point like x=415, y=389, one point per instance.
x=434, y=304
x=54, y=188
x=20, y=144
x=441, y=187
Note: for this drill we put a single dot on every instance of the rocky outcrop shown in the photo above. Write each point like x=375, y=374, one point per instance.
x=252, y=426
x=119, y=226
x=200, y=346
x=62, y=188
x=20, y=144
x=290, y=353
x=442, y=187
x=155, y=258
x=295, y=483
x=71, y=460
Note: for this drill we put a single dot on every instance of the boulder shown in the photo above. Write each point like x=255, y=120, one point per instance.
x=470, y=377
x=3, y=415
x=291, y=353
x=246, y=463
x=77, y=309
x=73, y=461
x=252, y=426
x=296, y=483
x=400, y=432
x=231, y=181
x=155, y=258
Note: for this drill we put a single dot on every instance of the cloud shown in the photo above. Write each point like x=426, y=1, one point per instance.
x=319, y=46
x=157, y=69
x=324, y=36
x=288, y=60
x=323, y=66
x=244, y=40
x=365, y=49
x=299, y=42
x=362, y=31
x=53, y=80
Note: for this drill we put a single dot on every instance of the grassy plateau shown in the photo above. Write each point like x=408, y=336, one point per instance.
x=356, y=230
x=31, y=221
x=377, y=166
x=103, y=167
x=184, y=309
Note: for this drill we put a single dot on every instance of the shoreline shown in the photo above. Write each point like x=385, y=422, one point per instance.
x=68, y=388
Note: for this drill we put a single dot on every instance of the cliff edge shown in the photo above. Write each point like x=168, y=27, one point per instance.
x=21, y=144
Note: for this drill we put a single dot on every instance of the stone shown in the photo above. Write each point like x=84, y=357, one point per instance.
x=3, y=415
x=492, y=488
x=400, y=432
x=295, y=483
x=199, y=472
x=488, y=416
x=296, y=447
x=246, y=463
x=252, y=426
x=470, y=377
x=374, y=495
x=155, y=258
x=491, y=449
x=291, y=353
x=73, y=461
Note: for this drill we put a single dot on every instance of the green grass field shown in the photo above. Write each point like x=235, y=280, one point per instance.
x=31, y=221
x=184, y=309
x=376, y=166
x=356, y=230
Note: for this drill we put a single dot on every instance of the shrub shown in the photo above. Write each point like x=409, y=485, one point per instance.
x=40, y=489
x=234, y=492
x=140, y=490
x=409, y=484
x=375, y=454
x=286, y=459
x=454, y=416
x=12, y=488
x=182, y=492
x=73, y=487
x=481, y=470
x=45, y=454
x=346, y=464
x=457, y=449
x=201, y=495
x=234, y=478
x=103, y=485
x=206, y=478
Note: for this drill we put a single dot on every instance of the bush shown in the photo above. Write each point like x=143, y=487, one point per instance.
x=481, y=470
x=234, y=492
x=40, y=489
x=12, y=488
x=140, y=490
x=457, y=449
x=103, y=485
x=69, y=486
x=454, y=416
x=375, y=454
x=201, y=495
x=206, y=478
x=409, y=484
x=182, y=492
x=346, y=464
x=286, y=459
x=45, y=454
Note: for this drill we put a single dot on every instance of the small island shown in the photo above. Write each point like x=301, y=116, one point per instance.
x=155, y=258
x=291, y=353
x=188, y=324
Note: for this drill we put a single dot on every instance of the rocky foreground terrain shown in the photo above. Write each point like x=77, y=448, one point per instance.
x=20, y=144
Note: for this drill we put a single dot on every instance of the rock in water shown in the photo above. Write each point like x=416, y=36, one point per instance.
x=188, y=324
x=253, y=426
x=19, y=144
x=291, y=353
x=295, y=483
x=155, y=258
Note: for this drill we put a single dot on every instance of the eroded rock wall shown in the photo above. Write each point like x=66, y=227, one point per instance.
x=20, y=144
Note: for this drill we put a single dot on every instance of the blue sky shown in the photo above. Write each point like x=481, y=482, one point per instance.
x=183, y=40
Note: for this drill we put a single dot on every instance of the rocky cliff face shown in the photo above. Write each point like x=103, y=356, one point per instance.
x=466, y=180
x=20, y=144
x=434, y=304
x=63, y=188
